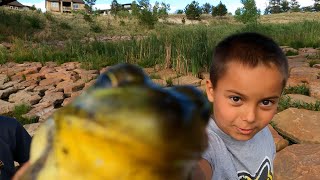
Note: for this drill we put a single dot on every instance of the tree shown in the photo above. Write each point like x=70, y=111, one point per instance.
x=193, y=11
x=163, y=11
x=135, y=10
x=317, y=5
x=147, y=16
x=219, y=10
x=294, y=6
x=206, y=8
x=274, y=6
x=179, y=11
x=115, y=7
x=89, y=4
x=284, y=4
x=248, y=13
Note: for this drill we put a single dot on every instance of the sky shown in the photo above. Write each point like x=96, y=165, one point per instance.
x=231, y=5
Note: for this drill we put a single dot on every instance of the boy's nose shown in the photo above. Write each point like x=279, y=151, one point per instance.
x=249, y=114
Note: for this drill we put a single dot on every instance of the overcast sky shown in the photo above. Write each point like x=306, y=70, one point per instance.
x=232, y=5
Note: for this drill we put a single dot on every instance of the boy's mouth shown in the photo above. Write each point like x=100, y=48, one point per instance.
x=245, y=131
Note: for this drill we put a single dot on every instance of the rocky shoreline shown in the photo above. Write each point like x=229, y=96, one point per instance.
x=49, y=86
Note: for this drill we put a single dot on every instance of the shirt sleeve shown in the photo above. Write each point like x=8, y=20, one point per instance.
x=23, y=142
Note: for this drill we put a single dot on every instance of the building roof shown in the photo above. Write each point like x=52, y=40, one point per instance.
x=75, y=1
x=16, y=4
x=78, y=1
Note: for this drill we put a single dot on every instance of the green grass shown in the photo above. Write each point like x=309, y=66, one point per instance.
x=188, y=48
x=313, y=62
x=300, y=89
x=286, y=102
x=18, y=113
x=291, y=53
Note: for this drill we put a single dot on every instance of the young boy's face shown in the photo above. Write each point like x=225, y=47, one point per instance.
x=245, y=99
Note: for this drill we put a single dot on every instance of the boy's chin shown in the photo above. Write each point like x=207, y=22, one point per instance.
x=242, y=137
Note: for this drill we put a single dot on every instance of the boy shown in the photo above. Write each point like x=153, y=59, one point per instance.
x=247, y=76
x=14, y=146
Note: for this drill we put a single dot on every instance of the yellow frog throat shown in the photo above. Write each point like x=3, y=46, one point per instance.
x=123, y=127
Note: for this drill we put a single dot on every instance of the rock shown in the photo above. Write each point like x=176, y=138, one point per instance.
x=316, y=66
x=69, y=66
x=286, y=49
x=204, y=75
x=6, y=107
x=167, y=74
x=64, y=75
x=24, y=97
x=32, y=128
x=51, y=81
x=4, y=94
x=187, y=80
x=39, y=111
x=298, y=162
x=297, y=61
x=149, y=70
x=314, y=88
x=308, y=51
x=298, y=125
x=160, y=82
x=279, y=141
x=69, y=86
x=301, y=98
x=36, y=76
x=302, y=75
x=53, y=98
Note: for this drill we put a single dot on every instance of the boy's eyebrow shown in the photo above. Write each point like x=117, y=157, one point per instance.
x=242, y=95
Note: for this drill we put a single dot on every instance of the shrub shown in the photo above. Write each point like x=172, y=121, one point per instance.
x=249, y=13
x=147, y=18
x=291, y=53
x=313, y=62
x=19, y=111
x=193, y=11
x=285, y=102
x=300, y=89
x=95, y=28
x=65, y=25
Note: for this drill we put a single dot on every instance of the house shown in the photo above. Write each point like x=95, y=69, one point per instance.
x=64, y=6
x=16, y=5
x=123, y=7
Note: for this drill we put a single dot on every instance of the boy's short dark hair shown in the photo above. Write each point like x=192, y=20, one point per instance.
x=250, y=49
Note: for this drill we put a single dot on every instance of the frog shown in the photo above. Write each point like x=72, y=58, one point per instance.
x=123, y=127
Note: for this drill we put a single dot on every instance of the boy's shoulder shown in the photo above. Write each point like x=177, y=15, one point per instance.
x=8, y=122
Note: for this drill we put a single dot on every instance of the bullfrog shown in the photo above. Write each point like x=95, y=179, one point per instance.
x=123, y=127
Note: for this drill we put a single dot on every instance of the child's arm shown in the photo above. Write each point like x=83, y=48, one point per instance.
x=202, y=171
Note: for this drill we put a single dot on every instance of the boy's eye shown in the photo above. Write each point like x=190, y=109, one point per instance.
x=266, y=103
x=235, y=99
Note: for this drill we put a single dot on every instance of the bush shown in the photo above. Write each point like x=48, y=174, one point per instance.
x=193, y=11
x=65, y=25
x=147, y=18
x=19, y=111
x=249, y=13
x=301, y=89
x=95, y=28
x=219, y=10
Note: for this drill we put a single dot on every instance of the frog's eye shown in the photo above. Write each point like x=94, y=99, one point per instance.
x=103, y=81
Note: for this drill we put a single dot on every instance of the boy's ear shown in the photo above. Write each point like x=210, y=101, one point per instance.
x=209, y=90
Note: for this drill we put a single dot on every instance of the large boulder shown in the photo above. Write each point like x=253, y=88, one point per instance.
x=279, y=141
x=301, y=98
x=299, y=125
x=298, y=162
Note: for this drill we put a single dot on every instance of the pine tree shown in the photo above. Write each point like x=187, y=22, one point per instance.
x=219, y=10
x=274, y=6
x=206, y=8
x=294, y=6
x=284, y=5
x=317, y=5
x=193, y=11
x=248, y=13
